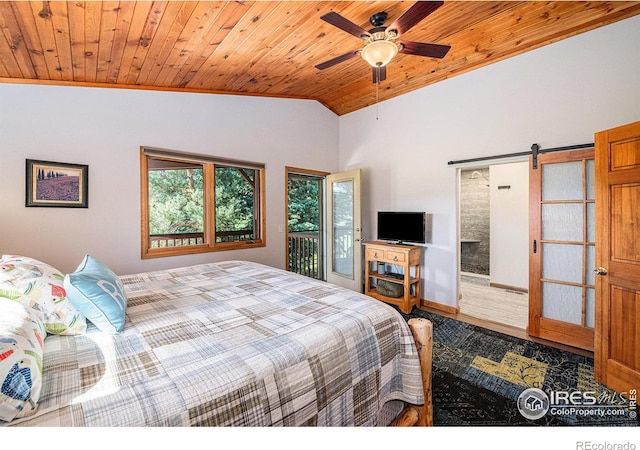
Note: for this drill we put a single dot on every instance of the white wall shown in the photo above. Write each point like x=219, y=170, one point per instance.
x=509, y=224
x=104, y=128
x=555, y=96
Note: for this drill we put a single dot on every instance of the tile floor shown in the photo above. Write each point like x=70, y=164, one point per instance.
x=502, y=306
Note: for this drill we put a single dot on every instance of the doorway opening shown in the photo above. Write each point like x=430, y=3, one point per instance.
x=493, y=234
x=324, y=226
x=305, y=223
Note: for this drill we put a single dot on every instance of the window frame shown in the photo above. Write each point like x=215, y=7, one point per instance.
x=208, y=164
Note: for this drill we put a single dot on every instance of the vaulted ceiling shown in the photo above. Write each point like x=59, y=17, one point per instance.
x=269, y=48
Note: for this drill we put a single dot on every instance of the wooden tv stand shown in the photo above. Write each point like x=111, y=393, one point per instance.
x=407, y=257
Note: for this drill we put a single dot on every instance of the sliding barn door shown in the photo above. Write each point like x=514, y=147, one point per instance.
x=562, y=248
x=617, y=349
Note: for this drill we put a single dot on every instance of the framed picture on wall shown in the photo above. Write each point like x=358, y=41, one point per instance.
x=57, y=184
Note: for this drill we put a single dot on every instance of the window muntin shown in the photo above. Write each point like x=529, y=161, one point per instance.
x=191, y=206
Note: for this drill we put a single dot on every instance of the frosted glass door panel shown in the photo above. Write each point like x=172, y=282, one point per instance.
x=591, y=308
x=591, y=265
x=568, y=190
x=562, y=302
x=591, y=183
x=343, y=228
x=562, y=181
x=563, y=222
x=591, y=222
x=562, y=262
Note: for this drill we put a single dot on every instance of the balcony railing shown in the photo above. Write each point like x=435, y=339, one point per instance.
x=234, y=236
x=304, y=247
x=184, y=239
x=176, y=239
x=304, y=254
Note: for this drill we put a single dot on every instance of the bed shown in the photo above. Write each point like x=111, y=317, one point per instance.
x=237, y=343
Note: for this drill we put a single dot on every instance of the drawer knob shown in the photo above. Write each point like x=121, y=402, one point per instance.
x=395, y=258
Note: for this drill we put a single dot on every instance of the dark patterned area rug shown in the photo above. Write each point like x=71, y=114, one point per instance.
x=479, y=374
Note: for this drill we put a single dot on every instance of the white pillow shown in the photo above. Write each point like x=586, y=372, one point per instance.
x=39, y=286
x=22, y=336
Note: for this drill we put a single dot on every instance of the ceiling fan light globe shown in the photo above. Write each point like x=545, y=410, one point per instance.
x=379, y=53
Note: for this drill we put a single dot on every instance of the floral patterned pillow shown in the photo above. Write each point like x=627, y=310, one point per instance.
x=39, y=286
x=21, y=350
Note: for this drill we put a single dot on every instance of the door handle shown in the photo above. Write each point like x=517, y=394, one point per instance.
x=600, y=271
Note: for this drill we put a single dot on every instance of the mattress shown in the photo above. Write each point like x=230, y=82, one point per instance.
x=234, y=343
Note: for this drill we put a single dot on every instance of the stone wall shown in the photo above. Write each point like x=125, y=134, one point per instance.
x=474, y=221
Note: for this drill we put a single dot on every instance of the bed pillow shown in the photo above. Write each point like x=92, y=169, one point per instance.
x=39, y=286
x=21, y=349
x=97, y=292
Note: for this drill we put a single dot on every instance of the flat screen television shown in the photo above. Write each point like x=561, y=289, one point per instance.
x=402, y=227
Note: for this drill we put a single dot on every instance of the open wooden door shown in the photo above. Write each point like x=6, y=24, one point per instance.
x=617, y=327
x=344, y=230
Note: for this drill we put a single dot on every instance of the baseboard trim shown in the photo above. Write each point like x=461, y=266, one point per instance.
x=439, y=307
x=509, y=288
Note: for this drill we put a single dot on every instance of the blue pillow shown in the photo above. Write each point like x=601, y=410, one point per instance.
x=97, y=292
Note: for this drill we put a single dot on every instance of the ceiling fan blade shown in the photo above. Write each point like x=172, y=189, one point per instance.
x=423, y=49
x=337, y=60
x=379, y=74
x=337, y=20
x=413, y=15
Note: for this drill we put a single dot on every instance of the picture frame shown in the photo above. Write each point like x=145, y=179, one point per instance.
x=56, y=184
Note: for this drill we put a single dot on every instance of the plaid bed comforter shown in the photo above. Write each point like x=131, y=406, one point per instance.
x=232, y=344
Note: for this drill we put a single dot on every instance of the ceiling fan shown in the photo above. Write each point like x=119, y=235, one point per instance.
x=381, y=43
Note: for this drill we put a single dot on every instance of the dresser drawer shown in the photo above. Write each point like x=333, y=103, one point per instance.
x=375, y=254
x=386, y=255
x=394, y=257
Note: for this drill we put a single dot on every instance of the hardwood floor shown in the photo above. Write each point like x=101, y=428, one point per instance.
x=500, y=310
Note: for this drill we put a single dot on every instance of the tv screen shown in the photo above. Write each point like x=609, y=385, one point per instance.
x=401, y=226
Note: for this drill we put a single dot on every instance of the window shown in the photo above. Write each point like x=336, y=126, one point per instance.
x=194, y=203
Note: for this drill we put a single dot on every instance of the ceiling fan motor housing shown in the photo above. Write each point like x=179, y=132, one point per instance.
x=378, y=19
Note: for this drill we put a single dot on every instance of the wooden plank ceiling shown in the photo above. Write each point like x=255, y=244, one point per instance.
x=270, y=48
